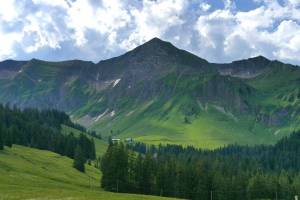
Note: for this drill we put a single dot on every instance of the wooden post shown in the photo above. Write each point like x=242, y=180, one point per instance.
x=211, y=195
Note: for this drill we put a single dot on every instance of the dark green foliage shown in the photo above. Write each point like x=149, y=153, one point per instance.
x=1, y=139
x=42, y=130
x=114, y=166
x=186, y=120
x=234, y=172
x=88, y=147
x=8, y=138
x=79, y=159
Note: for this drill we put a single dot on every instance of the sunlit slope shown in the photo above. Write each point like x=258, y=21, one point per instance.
x=211, y=127
x=28, y=173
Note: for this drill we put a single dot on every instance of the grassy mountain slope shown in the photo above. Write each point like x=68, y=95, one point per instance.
x=158, y=93
x=38, y=174
x=211, y=127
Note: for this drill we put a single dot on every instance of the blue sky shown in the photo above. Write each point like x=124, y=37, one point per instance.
x=217, y=30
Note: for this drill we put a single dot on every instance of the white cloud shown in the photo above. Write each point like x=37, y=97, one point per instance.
x=93, y=30
x=205, y=6
x=271, y=30
x=7, y=44
x=8, y=10
x=287, y=39
x=153, y=20
x=294, y=2
x=59, y=3
x=106, y=20
x=36, y=33
x=229, y=4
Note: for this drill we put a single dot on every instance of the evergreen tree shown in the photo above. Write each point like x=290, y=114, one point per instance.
x=92, y=151
x=106, y=165
x=1, y=139
x=147, y=175
x=121, y=167
x=257, y=188
x=79, y=159
x=8, y=138
x=234, y=172
x=138, y=169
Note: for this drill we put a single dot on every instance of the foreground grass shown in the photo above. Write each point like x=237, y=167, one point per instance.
x=32, y=174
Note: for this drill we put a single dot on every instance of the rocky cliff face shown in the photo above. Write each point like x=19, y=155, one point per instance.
x=157, y=78
x=245, y=69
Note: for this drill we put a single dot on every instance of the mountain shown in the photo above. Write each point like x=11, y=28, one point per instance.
x=157, y=93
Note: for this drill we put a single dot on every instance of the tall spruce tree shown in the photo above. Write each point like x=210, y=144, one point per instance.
x=8, y=140
x=1, y=138
x=79, y=159
x=107, y=169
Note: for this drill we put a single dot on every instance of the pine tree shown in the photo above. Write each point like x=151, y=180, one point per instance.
x=106, y=166
x=92, y=152
x=257, y=187
x=79, y=159
x=1, y=139
x=8, y=138
x=147, y=170
x=121, y=166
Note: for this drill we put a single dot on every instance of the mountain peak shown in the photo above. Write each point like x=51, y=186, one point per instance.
x=156, y=43
x=159, y=51
x=259, y=58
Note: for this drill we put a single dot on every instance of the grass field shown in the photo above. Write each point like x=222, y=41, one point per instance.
x=31, y=174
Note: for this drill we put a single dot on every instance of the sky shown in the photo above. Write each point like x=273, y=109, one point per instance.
x=216, y=30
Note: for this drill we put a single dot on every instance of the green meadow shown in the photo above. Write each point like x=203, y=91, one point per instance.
x=31, y=174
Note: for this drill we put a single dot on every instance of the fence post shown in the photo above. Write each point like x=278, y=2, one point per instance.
x=211, y=195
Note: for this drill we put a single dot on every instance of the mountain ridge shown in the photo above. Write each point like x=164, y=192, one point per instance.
x=159, y=93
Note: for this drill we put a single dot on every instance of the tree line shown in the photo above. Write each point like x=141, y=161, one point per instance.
x=42, y=130
x=234, y=172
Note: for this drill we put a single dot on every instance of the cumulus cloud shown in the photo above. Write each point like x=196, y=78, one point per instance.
x=271, y=30
x=153, y=20
x=99, y=29
x=205, y=6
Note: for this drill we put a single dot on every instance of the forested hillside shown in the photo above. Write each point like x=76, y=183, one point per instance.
x=234, y=172
x=42, y=130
